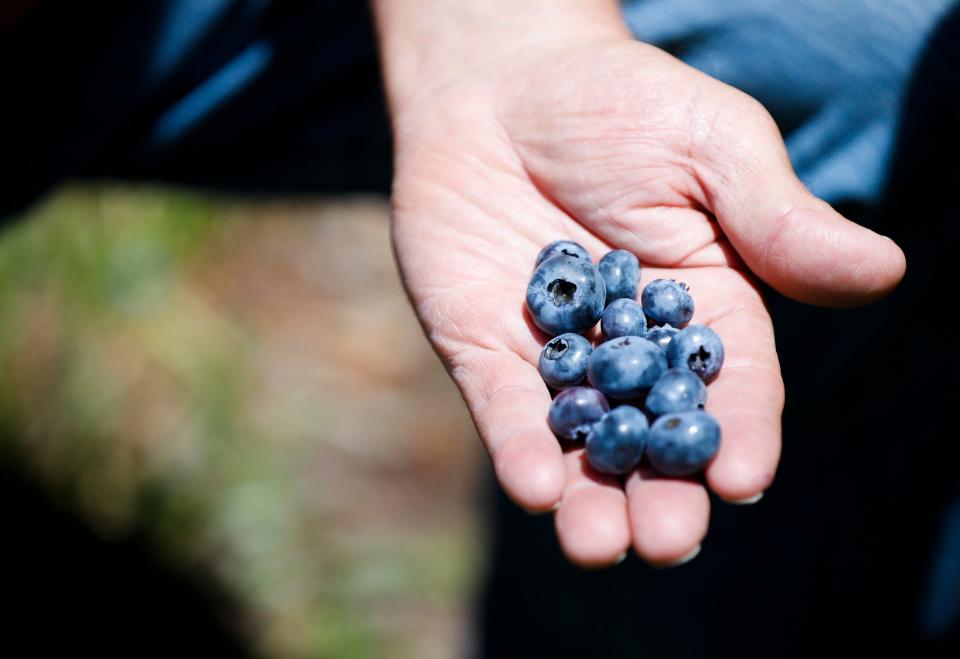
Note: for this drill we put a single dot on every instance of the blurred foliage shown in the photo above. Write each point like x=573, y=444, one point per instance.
x=245, y=381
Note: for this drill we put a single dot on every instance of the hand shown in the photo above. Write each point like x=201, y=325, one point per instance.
x=614, y=144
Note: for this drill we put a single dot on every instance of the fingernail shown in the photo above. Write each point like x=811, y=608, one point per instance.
x=686, y=558
x=622, y=557
x=556, y=507
x=748, y=500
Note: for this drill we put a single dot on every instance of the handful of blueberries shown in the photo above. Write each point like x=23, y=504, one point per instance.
x=649, y=356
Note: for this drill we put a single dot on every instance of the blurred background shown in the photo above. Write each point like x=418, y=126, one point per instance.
x=237, y=425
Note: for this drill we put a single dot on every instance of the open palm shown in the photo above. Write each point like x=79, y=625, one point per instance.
x=614, y=146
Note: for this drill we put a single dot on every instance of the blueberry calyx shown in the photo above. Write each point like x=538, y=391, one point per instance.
x=698, y=360
x=556, y=348
x=562, y=291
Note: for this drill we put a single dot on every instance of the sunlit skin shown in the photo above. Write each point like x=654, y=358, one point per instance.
x=613, y=144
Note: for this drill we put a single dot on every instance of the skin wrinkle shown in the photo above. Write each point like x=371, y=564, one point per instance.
x=735, y=167
x=530, y=227
x=602, y=211
x=440, y=312
x=447, y=343
x=649, y=185
x=770, y=252
x=716, y=253
x=485, y=399
x=665, y=248
x=461, y=274
x=543, y=189
x=643, y=247
x=696, y=139
x=875, y=273
x=621, y=214
x=475, y=237
x=475, y=362
x=697, y=247
x=578, y=176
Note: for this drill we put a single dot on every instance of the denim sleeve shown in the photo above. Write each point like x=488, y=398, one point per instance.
x=833, y=74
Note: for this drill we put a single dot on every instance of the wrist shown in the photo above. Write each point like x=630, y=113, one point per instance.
x=428, y=44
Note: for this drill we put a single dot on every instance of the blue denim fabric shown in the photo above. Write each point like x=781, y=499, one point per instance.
x=833, y=73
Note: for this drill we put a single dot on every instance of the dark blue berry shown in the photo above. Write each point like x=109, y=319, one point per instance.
x=667, y=301
x=558, y=247
x=677, y=390
x=563, y=361
x=574, y=411
x=615, y=443
x=683, y=443
x=620, y=270
x=623, y=317
x=661, y=335
x=565, y=294
x=698, y=348
x=626, y=367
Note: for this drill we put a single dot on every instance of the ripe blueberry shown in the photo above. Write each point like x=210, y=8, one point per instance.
x=683, y=443
x=620, y=270
x=565, y=294
x=558, y=247
x=626, y=367
x=623, y=317
x=563, y=361
x=677, y=390
x=667, y=301
x=574, y=411
x=698, y=348
x=615, y=443
x=661, y=335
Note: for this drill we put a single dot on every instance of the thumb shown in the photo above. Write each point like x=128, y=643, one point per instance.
x=788, y=237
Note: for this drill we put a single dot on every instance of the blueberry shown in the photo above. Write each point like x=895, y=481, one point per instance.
x=626, y=367
x=698, y=348
x=667, y=301
x=574, y=411
x=558, y=247
x=620, y=270
x=623, y=318
x=563, y=361
x=565, y=294
x=677, y=390
x=661, y=335
x=683, y=443
x=615, y=443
